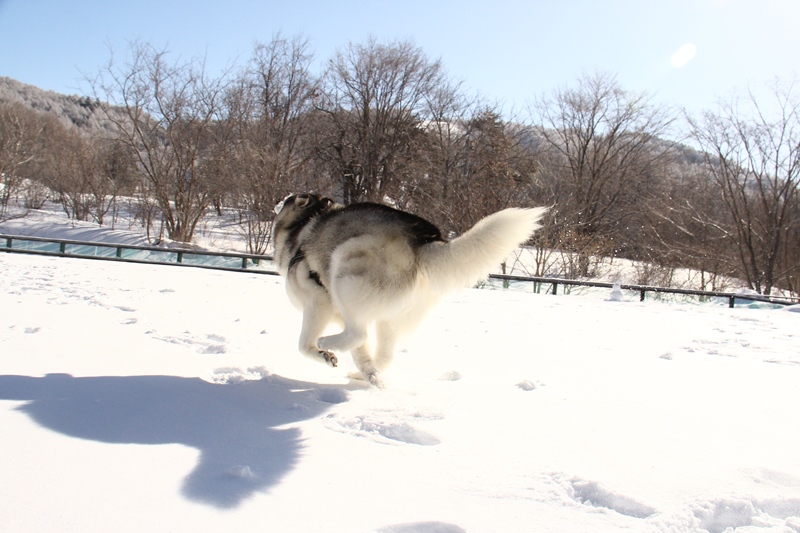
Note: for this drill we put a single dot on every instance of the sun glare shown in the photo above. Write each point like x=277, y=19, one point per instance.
x=684, y=54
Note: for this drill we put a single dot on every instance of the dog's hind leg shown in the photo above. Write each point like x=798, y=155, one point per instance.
x=365, y=365
x=386, y=337
x=370, y=278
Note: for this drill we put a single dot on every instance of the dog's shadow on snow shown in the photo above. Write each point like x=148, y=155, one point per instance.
x=234, y=425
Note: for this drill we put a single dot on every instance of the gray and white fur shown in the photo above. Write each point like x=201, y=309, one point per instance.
x=367, y=263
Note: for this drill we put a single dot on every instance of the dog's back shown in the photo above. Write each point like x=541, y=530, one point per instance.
x=370, y=239
x=370, y=217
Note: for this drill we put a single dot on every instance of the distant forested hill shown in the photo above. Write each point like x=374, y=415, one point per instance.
x=79, y=112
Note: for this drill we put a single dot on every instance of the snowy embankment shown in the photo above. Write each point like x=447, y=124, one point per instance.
x=224, y=234
x=53, y=225
x=151, y=398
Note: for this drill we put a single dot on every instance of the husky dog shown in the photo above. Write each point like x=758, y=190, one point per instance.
x=369, y=264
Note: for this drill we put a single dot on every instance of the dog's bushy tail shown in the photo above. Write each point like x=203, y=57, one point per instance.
x=470, y=257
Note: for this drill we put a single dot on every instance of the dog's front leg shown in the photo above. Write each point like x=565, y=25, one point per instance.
x=316, y=318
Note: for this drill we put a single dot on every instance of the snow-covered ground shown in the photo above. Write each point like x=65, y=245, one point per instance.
x=154, y=398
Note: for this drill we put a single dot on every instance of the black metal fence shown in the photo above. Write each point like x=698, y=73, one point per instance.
x=259, y=264
x=262, y=264
x=553, y=285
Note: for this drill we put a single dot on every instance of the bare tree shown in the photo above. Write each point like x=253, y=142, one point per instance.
x=68, y=169
x=753, y=157
x=478, y=164
x=170, y=111
x=20, y=133
x=87, y=174
x=271, y=108
x=791, y=256
x=603, y=153
x=433, y=188
x=677, y=226
x=374, y=99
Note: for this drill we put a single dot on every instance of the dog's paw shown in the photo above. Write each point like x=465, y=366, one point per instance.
x=372, y=377
x=329, y=358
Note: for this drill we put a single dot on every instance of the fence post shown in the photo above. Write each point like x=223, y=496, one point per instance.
x=731, y=301
x=641, y=295
x=555, y=289
x=180, y=257
x=62, y=248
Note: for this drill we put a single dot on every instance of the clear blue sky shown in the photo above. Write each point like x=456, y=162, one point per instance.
x=506, y=50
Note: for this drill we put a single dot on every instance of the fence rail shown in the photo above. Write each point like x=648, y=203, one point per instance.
x=554, y=284
x=262, y=264
x=130, y=253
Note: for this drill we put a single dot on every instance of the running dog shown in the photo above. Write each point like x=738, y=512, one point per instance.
x=368, y=263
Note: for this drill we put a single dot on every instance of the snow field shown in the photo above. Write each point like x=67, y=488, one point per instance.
x=137, y=397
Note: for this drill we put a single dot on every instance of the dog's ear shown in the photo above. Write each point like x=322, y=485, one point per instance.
x=302, y=200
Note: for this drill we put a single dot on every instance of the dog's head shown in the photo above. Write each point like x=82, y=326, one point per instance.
x=297, y=209
x=302, y=201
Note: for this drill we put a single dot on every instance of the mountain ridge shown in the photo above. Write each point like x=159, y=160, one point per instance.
x=81, y=113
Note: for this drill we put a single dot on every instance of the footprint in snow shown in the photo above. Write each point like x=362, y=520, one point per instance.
x=451, y=375
x=423, y=527
x=332, y=395
x=731, y=513
x=381, y=432
x=212, y=349
x=200, y=346
x=528, y=385
x=233, y=375
x=596, y=495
